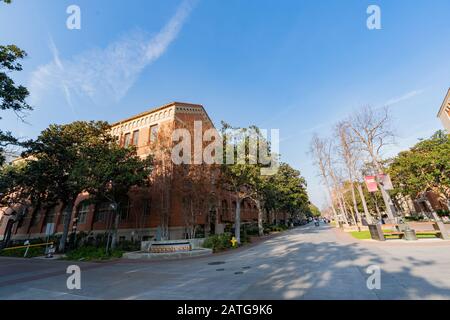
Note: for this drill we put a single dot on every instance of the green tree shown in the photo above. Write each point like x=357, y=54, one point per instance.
x=240, y=175
x=283, y=190
x=425, y=167
x=290, y=189
x=57, y=152
x=108, y=172
x=12, y=96
x=23, y=185
x=315, y=212
x=66, y=160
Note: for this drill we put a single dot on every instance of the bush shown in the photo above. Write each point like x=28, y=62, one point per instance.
x=32, y=252
x=414, y=217
x=252, y=230
x=126, y=245
x=218, y=242
x=92, y=253
x=443, y=213
x=276, y=228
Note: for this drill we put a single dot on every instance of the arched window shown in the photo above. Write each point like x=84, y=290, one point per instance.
x=50, y=215
x=233, y=208
x=224, y=206
x=82, y=212
x=147, y=207
x=124, y=209
x=102, y=211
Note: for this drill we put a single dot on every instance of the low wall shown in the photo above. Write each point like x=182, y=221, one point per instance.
x=195, y=243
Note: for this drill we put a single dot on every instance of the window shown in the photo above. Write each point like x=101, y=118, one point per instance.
x=35, y=219
x=147, y=207
x=66, y=213
x=126, y=140
x=20, y=223
x=50, y=216
x=233, y=208
x=153, y=133
x=102, y=210
x=124, y=210
x=83, y=210
x=224, y=210
x=135, y=137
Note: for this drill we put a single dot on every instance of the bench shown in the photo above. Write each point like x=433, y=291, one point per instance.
x=435, y=232
x=401, y=234
x=395, y=233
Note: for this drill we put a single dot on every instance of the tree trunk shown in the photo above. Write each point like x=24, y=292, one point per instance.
x=355, y=204
x=364, y=203
x=67, y=219
x=260, y=218
x=390, y=209
x=333, y=208
x=375, y=201
x=114, y=232
x=343, y=211
x=237, y=221
x=7, y=233
x=353, y=218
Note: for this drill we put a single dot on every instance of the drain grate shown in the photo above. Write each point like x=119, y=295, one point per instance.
x=221, y=269
x=247, y=267
x=238, y=272
x=215, y=263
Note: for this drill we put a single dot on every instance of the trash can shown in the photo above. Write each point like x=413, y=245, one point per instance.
x=410, y=234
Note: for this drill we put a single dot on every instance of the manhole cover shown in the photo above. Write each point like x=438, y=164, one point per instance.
x=220, y=269
x=216, y=263
x=247, y=267
x=238, y=272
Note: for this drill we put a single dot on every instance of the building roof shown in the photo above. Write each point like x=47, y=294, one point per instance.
x=445, y=103
x=175, y=103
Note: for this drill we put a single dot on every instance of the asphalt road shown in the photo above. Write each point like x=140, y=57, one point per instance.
x=304, y=263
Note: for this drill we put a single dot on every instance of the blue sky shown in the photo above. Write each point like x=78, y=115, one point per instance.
x=293, y=65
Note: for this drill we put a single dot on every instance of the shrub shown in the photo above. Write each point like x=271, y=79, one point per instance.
x=218, y=242
x=129, y=245
x=92, y=253
x=414, y=218
x=32, y=252
x=252, y=230
x=443, y=213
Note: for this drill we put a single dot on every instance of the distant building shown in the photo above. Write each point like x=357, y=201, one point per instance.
x=444, y=112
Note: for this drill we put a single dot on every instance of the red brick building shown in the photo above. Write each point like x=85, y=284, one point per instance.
x=150, y=210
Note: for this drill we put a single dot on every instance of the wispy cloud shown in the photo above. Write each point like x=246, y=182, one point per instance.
x=329, y=124
x=105, y=73
x=404, y=97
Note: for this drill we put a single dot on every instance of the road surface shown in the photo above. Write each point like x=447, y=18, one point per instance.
x=303, y=263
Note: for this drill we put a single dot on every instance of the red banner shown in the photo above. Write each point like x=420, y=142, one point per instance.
x=371, y=183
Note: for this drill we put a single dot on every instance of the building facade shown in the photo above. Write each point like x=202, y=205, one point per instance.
x=153, y=212
x=444, y=112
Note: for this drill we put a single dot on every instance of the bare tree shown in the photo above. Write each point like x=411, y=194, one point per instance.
x=195, y=186
x=162, y=177
x=372, y=129
x=320, y=151
x=337, y=180
x=347, y=151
